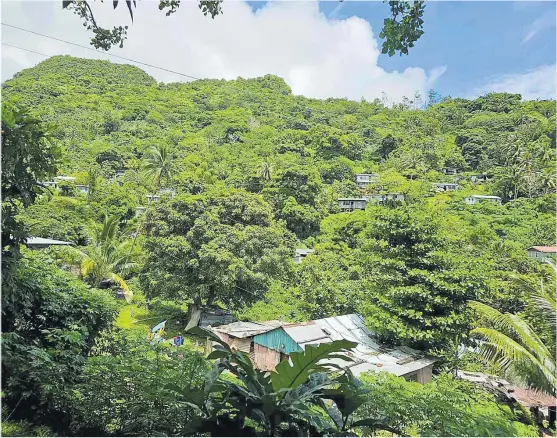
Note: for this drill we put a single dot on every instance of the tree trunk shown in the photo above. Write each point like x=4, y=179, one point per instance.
x=195, y=314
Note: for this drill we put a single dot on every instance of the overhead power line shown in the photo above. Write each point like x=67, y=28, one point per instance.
x=94, y=50
x=27, y=50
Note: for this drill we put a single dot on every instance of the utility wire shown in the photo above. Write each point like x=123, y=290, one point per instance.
x=27, y=50
x=94, y=50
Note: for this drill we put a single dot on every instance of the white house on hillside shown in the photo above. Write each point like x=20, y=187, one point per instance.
x=474, y=199
x=301, y=253
x=364, y=179
x=543, y=253
x=351, y=204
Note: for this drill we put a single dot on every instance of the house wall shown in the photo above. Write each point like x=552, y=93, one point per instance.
x=425, y=374
x=421, y=376
x=277, y=340
x=265, y=359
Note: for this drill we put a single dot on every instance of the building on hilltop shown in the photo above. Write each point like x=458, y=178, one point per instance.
x=351, y=204
x=301, y=253
x=382, y=199
x=543, y=253
x=82, y=189
x=445, y=187
x=364, y=179
x=449, y=170
x=474, y=199
x=479, y=178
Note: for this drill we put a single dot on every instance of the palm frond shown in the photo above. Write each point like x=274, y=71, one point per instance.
x=514, y=327
x=128, y=294
x=509, y=354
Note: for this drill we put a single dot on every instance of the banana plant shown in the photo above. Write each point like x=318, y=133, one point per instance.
x=299, y=398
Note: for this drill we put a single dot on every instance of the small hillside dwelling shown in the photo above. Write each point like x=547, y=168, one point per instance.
x=64, y=178
x=153, y=198
x=445, y=187
x=351, y=204
x=369, y=355
x=479, y=178
x=381, y=199
x=139, y=211
x=542, y=406
x=449, y=170
x=39, y=243
x=120, y=173
x=51, y=184
x=239, y=335
x=364, y=179
x=474, y=199
x=543, y=253
x=301, y=254
x=170, y=192
x=82, y=189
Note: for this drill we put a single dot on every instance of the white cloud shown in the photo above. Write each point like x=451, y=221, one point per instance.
x=538, y=83
x=539, y=24
x=316, y=56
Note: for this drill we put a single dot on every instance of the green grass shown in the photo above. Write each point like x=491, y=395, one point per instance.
x=138, y=317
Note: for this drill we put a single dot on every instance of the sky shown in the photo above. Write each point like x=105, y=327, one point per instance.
x=321, y=49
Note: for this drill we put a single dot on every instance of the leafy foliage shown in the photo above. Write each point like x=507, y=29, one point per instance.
x=28, y=157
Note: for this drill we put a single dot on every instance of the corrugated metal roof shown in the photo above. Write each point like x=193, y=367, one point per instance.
x=41, y=241
x=370, y=355
x=241, y=329
x=306, y=333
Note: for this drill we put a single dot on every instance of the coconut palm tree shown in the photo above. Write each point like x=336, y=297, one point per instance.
x=159, y=164
x=511, y=343
x=106, y=258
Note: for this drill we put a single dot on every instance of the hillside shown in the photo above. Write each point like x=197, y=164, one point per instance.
x=192, y=195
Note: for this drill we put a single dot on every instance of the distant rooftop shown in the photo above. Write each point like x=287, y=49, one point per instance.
x=485, y=196
x=548, y=249
x=39, y=241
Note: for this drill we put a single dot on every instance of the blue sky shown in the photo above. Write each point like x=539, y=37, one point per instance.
x=476, y=40
x=321, y=49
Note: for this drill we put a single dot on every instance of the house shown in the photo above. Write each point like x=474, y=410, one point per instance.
x=543, y=253
x=273, y=346
x=153, y=198
x=449, y=170
x=479, y=178
x=52, y=184
x=542, y=406
x=539, y=404
x=445, y=187
x=364, y=179
x=82, y=189
x=120, y=173
x=300, y=254
x=239, y=335
x=474, y=199
x=139, y=211
x=170, y=192
x=381, y=199
x=39, y=242
x=351, y=204
x=64, y=178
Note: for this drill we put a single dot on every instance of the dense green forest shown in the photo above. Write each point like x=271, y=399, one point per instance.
x=246, y=173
